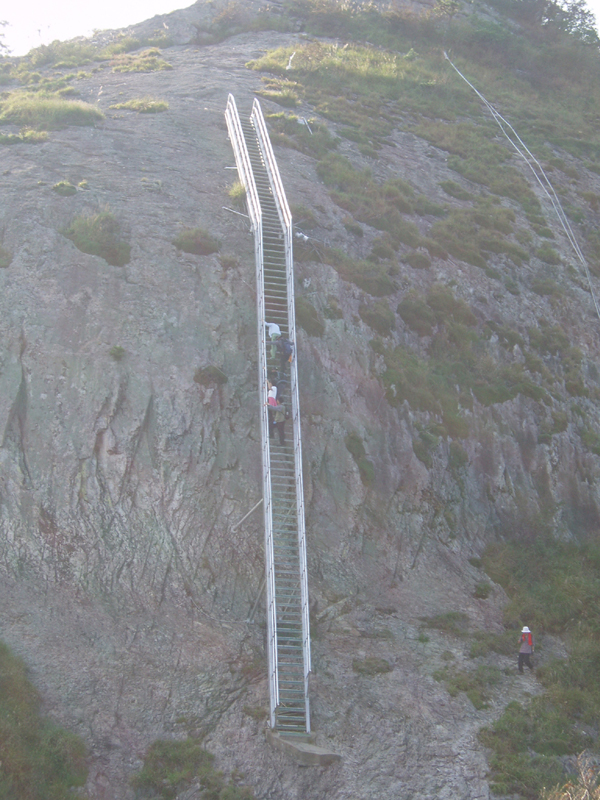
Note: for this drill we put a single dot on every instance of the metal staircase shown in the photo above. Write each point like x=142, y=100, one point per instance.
x=283, y=495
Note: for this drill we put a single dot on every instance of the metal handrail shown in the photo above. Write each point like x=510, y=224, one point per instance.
x=246, y=175
x=286, y=223
x=242, y=162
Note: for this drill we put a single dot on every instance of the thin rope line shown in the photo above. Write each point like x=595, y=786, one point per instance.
x=540, y=177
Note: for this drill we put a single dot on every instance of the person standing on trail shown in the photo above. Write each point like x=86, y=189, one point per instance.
x=527, y=648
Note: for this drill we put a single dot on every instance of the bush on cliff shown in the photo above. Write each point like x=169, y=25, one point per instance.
x=38, y=759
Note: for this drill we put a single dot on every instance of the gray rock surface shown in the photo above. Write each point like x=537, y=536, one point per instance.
x=123, y=586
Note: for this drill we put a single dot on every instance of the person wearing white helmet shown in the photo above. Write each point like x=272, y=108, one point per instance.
x=527, y=648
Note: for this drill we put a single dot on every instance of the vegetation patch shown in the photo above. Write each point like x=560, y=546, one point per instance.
x=61, y=54
x=117, y=353
x=197, y=241
x=381, y=206
x=417, y=260
x=485, y=642
x=146, y=61
x=170, y=767
x=40, y=761
x=64, y=188
x=372, y=277
x=143, y=105
x=26, y=136
x=308, y=318
x=356, y=448
x=99, y=235
x=237, y=194
x=379, y=317
x=476, y=684
x=553, y=587
x=47, y=112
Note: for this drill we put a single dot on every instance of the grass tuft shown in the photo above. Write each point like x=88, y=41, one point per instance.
x=64, y=188
x=98, y=235
x=143, y=105
x=197, y=241
x=47, y=112
x=146, y=61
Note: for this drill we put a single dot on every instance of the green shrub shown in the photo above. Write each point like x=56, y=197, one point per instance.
x=590, y=439
x=66, y=54
x=444, y=305
x=172, y=766
x=475, y=684
x=98, y=235
x=417, y=315
x=307, y=317
x=237, y=194
x=40, y=761
x=64, y=188
x=482, y=590
x=422, y=451
x=549, y=428
x=371, y=666
x=143, y=105
x=356, y=448
x=485, y=642
x=457, y=458
x=117, y=353
x=548, y=254
x=382, y=249
x=197, y=241
x=379, y=317
x=288, y=130
x=5, y=257
x=47, y=112
x=456, y=190
x=417, y=260
x=368, y=276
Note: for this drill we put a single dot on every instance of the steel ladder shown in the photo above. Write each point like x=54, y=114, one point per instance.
x=285, y=538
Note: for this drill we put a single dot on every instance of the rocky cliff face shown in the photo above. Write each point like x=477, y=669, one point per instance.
x=123, y=469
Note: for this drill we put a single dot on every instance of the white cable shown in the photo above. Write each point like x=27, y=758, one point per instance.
x=540, y=177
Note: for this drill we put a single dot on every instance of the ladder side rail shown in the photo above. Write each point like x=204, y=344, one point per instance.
x=286, y=222
x=266, y=475
x=266, y=148
x=299, y=500
x=242, y=160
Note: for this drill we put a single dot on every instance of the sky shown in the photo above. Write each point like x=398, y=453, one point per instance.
x=35, y=22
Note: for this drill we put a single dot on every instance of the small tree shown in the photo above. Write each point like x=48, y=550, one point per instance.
x=4, y=49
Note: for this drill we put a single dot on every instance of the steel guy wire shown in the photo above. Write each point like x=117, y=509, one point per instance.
x=539, y=174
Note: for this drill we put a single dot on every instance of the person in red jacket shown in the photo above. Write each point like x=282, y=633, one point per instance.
x=527, y=648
